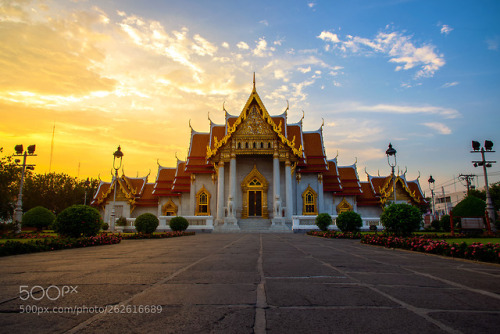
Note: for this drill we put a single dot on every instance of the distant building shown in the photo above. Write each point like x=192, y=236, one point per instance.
x=445, y=203
x=255, y=169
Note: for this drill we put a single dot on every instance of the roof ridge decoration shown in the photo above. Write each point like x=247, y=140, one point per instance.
x=243, y=116
x=385, y=191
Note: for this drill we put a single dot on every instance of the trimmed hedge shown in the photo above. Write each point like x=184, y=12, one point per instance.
x=163, y=235
x=146, y=223
x=78, y=220
x=323, y=220
x=178, y=224
x=38, y=217
x=401, y=219
x=335, y=235
x=349, y=221
x=49, y=244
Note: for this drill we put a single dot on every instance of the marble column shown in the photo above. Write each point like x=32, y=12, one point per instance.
x=288, y=190
x=232, y=186
x=321, y=201
x=220, y=192
x=276, y=184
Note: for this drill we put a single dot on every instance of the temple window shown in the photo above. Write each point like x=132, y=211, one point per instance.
x=309, y=199
x=254, y=145
x=269, y=145
x=202, y=202
x=261, y=145
x=246, y=145
x=239, y=145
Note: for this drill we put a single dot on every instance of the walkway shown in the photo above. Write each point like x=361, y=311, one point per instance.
x=244, y=283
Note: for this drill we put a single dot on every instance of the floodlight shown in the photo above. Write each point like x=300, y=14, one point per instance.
x=488, y=145
x=475, y=145
x=31, y=149
x=19, y=149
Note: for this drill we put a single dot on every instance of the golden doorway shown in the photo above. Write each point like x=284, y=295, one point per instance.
x=254, y=193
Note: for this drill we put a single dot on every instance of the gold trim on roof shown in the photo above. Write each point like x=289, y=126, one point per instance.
x=243, y=116
x=386, y=191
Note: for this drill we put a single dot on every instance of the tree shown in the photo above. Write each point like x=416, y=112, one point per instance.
x=10, y=174
x=470, y=206
x=78, y=220
x=56, y=191
x=494, y=192
x=38, y=217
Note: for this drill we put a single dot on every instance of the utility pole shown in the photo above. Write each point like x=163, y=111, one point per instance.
x=468, y=180
x=488, y=147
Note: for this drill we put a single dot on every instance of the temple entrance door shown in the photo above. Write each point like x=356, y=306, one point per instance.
x=255, y=203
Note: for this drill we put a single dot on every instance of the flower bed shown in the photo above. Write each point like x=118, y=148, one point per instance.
x=156, y=235
x=335, y=234
x=51, y=243
x=477, y=251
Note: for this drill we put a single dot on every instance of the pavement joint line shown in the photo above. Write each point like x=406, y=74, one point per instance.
x=261, y=303
x=454, y=284
x=418, y=311
x=98, y=316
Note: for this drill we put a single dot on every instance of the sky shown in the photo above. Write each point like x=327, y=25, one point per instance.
x=95, y=74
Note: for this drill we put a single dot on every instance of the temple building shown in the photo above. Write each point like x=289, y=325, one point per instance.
x=255, y=171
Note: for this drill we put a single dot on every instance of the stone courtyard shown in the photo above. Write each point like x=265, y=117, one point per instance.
x=246, y=283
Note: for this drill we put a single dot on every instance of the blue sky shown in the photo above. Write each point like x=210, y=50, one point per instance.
x=423, y=75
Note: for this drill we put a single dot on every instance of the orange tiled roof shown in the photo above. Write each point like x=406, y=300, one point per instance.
x=414, y=187
x=164, y=182
x=182, y=180
x=294, y=131
x=331, y=179
x=147, y=198
x=216, y=131
x=197, y=162
x=349, y=180
x=315, y=158
x=368, y=197
x=280, y=119
x=100, y=193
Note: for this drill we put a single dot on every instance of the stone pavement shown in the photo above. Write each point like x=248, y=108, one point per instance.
x=244, y=283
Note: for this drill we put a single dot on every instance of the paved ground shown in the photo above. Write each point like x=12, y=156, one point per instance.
x=244, y=283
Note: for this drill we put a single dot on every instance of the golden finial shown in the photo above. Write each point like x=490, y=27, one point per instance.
x=355, y=162
x=378, y=172
x=190, y=125
x=418, y=175
x=287, y=107
x=337, y=155
x=303, y=115
x=209, y=117
x=176, y=157
x=253, y=80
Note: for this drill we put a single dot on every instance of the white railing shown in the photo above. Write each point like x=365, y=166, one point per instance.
x=309, y=223
x=196, y=223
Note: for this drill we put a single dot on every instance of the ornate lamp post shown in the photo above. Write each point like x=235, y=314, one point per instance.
x=18, y=211
x=391, y=152
x=431, y=187
x=488, y=147
x=117, y=160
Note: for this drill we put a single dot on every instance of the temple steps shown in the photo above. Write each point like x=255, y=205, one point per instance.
x=257, y=225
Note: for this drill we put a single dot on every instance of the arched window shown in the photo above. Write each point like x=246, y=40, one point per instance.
x=239, y=145
x=246, y=145
x=309, y=199
x=254, y=145
x=169, y=209
x=261, y=145
x=269, y=145
x=202, y=202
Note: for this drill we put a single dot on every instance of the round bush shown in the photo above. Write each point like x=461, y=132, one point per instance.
x=401, y=219
x=436, y=225
x=323, y=220
x=38, y=217
x=78, y=220
x=178, y=224
x=444, y=222
x=470, y=206
x=105, y=226
x=146, y=223
x=349, y=221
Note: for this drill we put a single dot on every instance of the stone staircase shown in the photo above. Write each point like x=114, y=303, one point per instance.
x=257, y=225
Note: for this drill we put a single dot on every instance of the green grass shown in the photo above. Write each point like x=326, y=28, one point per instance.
x=469, y=241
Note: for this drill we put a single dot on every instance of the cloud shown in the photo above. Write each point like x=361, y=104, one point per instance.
x=329, y=37
x=446, y=29
x=394, y=45
x=439, y=127
x=242, y=46
x=493, y=43
x=225, y=45
x=405, y=109
x=264, y=22
x=304, y=69
x=261, y=50
x=450, y=84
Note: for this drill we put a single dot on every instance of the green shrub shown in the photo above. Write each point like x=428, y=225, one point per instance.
x=105, y=226
x=178, y=223
x=401, y=219
x=373, y=228
x=349, y=221
x=146, y=223
x=122, y=221
x=470, y=206
x=444, y=223
x=38, y=217
x=436, y=225
x=8, y=228
x=323, y=220
x=78, y=220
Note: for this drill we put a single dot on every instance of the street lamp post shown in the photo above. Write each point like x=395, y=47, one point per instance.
x=431, y=187
x=18, y=211
x=117, y=159
x=488, y=147
x=392, y=152
x=87, y=184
